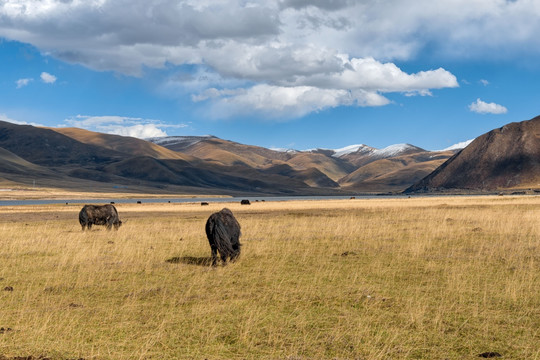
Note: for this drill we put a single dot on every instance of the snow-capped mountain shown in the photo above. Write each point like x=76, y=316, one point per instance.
x=395, y=150
x=358, y=149
x=389, y=151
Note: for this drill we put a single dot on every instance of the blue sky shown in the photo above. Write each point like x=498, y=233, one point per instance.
x=283, y=74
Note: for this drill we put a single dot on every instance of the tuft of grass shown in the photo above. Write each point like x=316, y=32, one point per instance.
x=420, y=278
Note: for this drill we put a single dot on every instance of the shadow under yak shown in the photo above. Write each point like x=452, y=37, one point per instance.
x=191, y=260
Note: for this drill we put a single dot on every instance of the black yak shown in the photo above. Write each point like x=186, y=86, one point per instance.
x=223, y=233
x=99, y=215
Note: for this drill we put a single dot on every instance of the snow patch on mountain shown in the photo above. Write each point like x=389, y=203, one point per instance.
x=395, y=150
x=361, y=148
x=389, y=151
x=458, y=146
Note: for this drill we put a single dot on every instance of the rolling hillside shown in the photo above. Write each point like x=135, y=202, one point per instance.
x=394, y=173
x=122, y=144
x=49, y=148
x=336, y=165
x=222, y=151
x=72, y=158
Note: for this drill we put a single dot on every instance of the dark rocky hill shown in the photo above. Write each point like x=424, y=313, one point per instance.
x=504, y=158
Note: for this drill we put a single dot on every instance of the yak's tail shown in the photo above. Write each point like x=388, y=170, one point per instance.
x=222, y=238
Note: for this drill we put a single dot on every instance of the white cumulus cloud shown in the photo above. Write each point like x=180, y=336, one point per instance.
x=284, y=102
x=4, y=117
x=372, y=75
x=121, y=125
x=48, y=78
x=361, y=82
x=329, y=47
x=482, y=107
x=139, y=131
x=23, y=82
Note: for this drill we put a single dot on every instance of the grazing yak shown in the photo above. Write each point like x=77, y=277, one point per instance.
x=223, y=233
x=99, y=215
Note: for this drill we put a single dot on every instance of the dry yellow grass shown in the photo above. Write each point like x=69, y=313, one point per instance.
x=420, y=278
x=12, y=191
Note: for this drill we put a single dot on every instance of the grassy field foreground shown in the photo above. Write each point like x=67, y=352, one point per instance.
x=420, y=278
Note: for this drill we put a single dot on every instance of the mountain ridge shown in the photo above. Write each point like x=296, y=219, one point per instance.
x=72, y=158
x=503, y=158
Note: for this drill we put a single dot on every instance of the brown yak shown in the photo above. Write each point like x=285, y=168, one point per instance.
x=99, y=215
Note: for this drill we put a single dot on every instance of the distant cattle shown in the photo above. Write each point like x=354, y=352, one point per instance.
x=204, y=203
x=99, y=215
x=223, y=233
x=245, y=202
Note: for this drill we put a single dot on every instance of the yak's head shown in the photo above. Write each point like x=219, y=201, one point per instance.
x=117, y=225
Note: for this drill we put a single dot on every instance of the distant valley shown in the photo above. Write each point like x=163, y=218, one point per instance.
x=82, y=160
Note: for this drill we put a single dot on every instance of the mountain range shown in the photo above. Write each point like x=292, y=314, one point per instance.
x=77, y=159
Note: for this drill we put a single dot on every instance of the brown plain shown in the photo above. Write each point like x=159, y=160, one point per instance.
x=417, y=278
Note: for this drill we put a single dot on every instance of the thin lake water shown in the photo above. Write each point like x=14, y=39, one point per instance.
x=184, y=200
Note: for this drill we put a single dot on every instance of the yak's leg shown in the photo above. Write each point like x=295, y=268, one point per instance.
x=214, y=255
x=83, y=226
x=110, y=223
x=224, y=259
x=236, y=248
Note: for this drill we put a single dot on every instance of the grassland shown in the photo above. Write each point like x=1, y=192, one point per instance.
x=419, y=278
x=10, y=191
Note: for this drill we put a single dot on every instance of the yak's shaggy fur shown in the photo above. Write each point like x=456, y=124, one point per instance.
x=99, y=215
x=223, y=232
